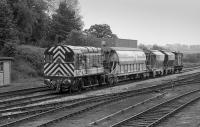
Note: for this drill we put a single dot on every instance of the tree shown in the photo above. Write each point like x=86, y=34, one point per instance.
x=30, y=18
x=65, y=20
x=101, y=31
x=8, y=31
x=143, y=47
x=156, y=47
x=78, y=38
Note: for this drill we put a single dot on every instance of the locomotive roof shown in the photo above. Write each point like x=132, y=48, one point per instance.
x=167, y=52
x=74, y=49
x=157, y=52
x=83, y=49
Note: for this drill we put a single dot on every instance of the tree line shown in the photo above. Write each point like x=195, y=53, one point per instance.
x=37, y=22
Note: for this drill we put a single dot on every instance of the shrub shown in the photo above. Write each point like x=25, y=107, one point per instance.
x=192, y=58
x=33, y=56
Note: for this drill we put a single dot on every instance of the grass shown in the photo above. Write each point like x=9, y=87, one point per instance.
x=28, y=63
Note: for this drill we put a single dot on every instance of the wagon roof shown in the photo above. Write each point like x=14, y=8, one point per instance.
x=157, y=53
x=128, y=55
x=168, y=53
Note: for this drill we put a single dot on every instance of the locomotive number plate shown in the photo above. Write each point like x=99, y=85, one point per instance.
x=79, y=72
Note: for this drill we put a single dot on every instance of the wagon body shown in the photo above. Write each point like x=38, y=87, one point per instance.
x=123, y=61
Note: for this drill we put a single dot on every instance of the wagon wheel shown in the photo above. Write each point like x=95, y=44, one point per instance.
x=115, y=80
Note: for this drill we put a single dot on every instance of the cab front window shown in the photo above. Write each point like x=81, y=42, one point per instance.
x=48, y=58
x=69, y=57
x=1, y=66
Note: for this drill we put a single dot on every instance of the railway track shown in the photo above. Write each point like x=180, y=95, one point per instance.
x=43, y=88
x=132, y=109
x=43, y=113
x=62, y=123
x=22, y=105
x=154, y=115
x=186, y=69
x=23, y=100
x=23, y=92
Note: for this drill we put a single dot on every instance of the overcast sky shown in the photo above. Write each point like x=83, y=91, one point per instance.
x=148, y=21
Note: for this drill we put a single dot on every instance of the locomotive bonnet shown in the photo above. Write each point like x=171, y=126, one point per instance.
x=65, y=64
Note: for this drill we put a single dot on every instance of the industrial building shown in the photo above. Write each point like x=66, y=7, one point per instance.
x=120, y=42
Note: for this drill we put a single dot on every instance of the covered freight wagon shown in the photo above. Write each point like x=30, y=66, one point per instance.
x=125, y=62
x=169, y=61
x=178, y=64
x=155, y=62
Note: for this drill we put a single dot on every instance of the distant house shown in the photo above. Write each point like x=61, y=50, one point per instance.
x=126, y=43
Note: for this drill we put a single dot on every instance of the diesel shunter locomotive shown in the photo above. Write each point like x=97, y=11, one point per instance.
x=74, y=68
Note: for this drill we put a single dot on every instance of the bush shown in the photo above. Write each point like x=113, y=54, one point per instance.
x=8, y=49
x=33, y=57
x=191, y=58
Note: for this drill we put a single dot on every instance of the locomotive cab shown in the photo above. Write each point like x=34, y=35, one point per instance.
x=70, y=67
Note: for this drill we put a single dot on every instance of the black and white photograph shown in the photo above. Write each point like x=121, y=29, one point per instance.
x=99, y=63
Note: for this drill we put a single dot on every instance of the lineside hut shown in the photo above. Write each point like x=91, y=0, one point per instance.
x=5, y=70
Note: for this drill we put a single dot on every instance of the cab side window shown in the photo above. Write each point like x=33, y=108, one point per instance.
x=1, y=66
x=79, y=61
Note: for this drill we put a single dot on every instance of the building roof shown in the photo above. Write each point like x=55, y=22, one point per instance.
x=6, y=58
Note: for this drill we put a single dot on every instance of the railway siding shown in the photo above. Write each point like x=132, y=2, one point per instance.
x=171, y=79
x=156, y=114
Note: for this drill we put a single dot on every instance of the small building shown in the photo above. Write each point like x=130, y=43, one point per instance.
x=109, y=42
x=126, y=43
x=5, y=70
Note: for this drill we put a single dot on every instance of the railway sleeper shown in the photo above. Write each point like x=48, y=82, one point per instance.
x=134, y=125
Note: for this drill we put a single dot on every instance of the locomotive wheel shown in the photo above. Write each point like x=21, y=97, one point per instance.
x=154, y=74
x=74, y=87
x=115, y=80
x=110, y=81
x=100, y=81
x=59, y=88
x=81, y=84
